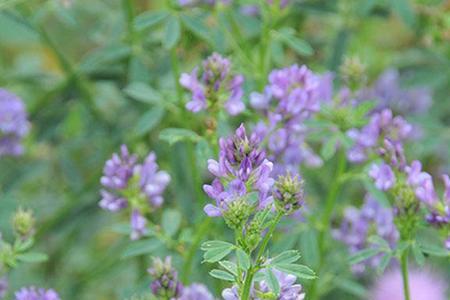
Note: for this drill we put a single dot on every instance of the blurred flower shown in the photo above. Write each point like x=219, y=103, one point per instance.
x=243, y=167
x=165, y=279
x=389, y=94
x=129, y=184
x=196, y=291
x=32, y=293
x=382, y=126
x=383, y=175
x=214, y=86
x=292, y=95
x=423, y=285
x=359, y=224
x=3, y=287
x=191, y=3
x=13, y=124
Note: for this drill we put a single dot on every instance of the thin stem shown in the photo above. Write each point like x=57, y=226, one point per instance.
x=325, y=221
x=251, y=272
x=404, y=265
x=202, y=230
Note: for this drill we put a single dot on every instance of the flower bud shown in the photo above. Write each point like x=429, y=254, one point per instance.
x=353, y=73
x=288, y=193
x=23, y=223
x=165, y=284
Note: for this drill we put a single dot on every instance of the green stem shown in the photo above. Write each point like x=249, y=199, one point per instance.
x=202, y=230
x=404, y=266
x=251, y=272
x=325, y=221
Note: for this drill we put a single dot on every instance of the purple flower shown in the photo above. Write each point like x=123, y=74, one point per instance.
x=165, y=279
x=214, y=83
x=196, y=291
x=447, y=243
x=293, y=95
x=421, y=182
x=138, y=225
x=243, y=166
x=382, y=126
x=359, y=224
x=446, y=180
x=3, y=287
x=423, y=285
x=383, y=175
x=129, y=184
x=32, y=293
x=13, y=124
x=288, y=289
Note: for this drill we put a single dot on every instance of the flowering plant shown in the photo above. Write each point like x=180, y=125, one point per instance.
x=224, y=149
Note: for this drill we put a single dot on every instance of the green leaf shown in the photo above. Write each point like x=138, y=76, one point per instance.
x=196, y=27
x=148, y=121
x=435, y=250
x=172, y=32
x=143, y=92
x=418, y=254
x=202, y=152
x=32, y=257
x=141, y=247
x=301, y=271
x=329, y=148
x=223, y=275
x=175, y=135
x=363, y=255
x=229, y=266
x=149, y=19
x=23, y=245
x=171, y=220
x=404, y=10
x=272, y=281
x=351, y=287
x=310, y=247
x=301, y=47
x=208, y=245
x=287, y=257
x=385, y=260
x=216, y=250
x=375, y=239
x=243, y=259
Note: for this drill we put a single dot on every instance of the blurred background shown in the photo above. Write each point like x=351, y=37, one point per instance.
x=93, y=77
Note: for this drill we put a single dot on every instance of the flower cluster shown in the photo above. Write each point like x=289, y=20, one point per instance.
x=242, y=170
x=167, y=286
x=13, y=124
x=214, y=86
x=293, y=95
x=289, y=290
x=129, y=184
x=382, y=126
x=359, y=224
x=32, y=293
